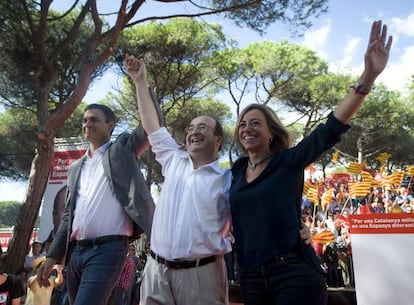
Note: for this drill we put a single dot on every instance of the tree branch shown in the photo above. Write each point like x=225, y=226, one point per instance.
x=212, y=12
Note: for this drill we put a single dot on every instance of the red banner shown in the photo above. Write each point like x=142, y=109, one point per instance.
x=61, y=162
x=54, y=196
x=6, y=235
x=382, y=223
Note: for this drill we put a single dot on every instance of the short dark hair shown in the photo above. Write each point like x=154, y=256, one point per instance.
x=218, y=131
x=56, y=200
x=108, y=113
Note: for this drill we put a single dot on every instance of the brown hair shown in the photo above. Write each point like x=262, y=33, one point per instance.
x=281, y=136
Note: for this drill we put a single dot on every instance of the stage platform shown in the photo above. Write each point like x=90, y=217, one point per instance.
x=336, y=296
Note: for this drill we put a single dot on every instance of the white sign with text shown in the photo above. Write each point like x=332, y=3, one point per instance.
x=383, y=250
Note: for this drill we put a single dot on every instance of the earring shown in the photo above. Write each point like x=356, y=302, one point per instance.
x=271, y=140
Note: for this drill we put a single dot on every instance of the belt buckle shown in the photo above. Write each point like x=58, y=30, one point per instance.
x=174, y=265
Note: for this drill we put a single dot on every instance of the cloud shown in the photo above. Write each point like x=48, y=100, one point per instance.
x=351, y=47
x=403, y=26
x=397, y=75
x=352, y=51
x=316, y=39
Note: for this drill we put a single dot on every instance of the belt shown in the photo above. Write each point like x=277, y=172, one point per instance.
x=184, y=264
x=97, y=241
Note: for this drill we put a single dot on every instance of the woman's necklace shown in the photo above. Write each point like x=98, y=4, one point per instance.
x=253, y=166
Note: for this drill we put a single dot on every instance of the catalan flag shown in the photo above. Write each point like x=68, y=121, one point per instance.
x=367, y=177
x=359, y=189
x=410, y=171
x=307, y=185
x=335, y=156
x=312, y=195
x=383, y=157
x=396, y=177
x=324, y=237
x=327, y=198
x=354, y=168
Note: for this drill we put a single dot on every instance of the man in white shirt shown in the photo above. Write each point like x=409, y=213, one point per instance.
x=108, y=203
x=191, y=221
x=190, y=230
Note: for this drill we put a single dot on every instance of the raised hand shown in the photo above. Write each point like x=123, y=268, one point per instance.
x=135, y=68
x=376, y=56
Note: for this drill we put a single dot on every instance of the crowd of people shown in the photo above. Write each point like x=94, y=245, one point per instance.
x=259, y=199
x=23, y=288
x=335, y=255
x=335, y=250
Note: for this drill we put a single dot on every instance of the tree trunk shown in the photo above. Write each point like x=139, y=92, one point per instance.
x=19, y=244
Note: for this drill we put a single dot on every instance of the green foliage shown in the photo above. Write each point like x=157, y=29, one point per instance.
x=259, y=15
x=9, y=211
x=21, y=62
x=18, y=143
x=383, y=124
x=18, y=139
x=315, y=97
x=269, y=72
x=177, y=54
x=181, y=115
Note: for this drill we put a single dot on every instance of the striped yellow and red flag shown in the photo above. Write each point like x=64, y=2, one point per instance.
x=312, y=195
x=335, y=156
x=410, y=171
x=354, y=168
x=383, y=157
x=327, y=197
x=367, y=177
x=324, y=237
x=359, y=189
x=307, y=185
x=396, y=177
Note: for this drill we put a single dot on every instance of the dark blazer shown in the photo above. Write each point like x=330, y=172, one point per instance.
x=128, y=183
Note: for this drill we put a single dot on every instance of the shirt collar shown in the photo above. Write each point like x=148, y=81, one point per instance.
x=212, y=166
x=101, y=149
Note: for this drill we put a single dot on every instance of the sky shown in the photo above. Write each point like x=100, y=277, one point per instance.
x=339, y=36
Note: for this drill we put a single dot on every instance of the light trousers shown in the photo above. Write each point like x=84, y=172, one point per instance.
x=203, y=285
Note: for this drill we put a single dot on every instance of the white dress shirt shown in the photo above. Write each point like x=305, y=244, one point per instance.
x=97, y=211
x=192, y=215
